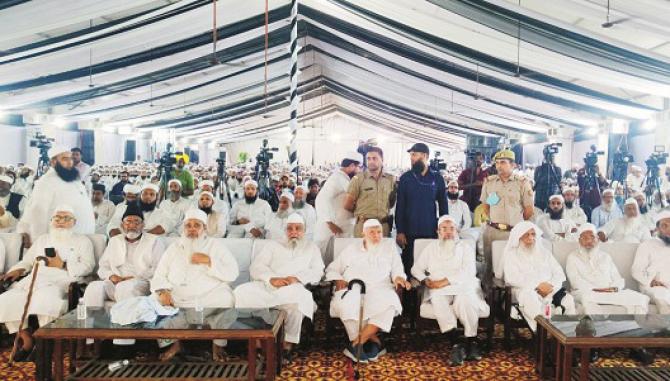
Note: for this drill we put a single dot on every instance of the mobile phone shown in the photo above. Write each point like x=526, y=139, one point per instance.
x=50, y=252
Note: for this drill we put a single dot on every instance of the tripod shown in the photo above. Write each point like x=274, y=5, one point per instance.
x=591, y=190
x=653, y=184
x=553, y=183
x=43, y=163
x=222, y=177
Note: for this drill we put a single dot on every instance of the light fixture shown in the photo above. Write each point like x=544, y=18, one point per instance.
x=125, y=130
x=593, y=131
x=60, y=122
x=523, y=139
x=648, y=125
x=335, y=137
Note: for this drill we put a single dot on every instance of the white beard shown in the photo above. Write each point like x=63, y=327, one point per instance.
x=447, y=244
x=131, y=235
x=192, y=245
x=607, y=207
x=369, y=246
x=60, y=235
x=294, y=243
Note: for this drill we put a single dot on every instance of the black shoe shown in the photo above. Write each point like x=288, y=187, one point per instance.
x=457, y=355
x=642, y=355
x=22, y=355
x=351, y=352
x=473, y=352
x=373, y=350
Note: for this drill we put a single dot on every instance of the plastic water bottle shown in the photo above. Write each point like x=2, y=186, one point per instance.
x=546, y=310
x=116, y=365
x=81, y=310
x=199, y=312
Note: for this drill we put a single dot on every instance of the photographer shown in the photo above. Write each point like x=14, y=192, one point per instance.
x=471, y=180
x=547, y=177
x=184, y=176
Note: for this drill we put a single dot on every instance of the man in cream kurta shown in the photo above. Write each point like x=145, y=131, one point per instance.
x=279, y=274
x=595, y=280
x=304, y=209
x=175, y=206
x=572, y=211
x=446, y=267
x=630, y=228
x=248, y=216
x=651, y=267
x=217, y=219
x=73, y=261
x=103, y=209
x=156, y=221
x=195, y=271
x=553, y=224
x=378, y=264
x=533, y=273
x=275, y=227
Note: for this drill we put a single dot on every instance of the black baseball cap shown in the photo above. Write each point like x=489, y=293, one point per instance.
x=419, y=147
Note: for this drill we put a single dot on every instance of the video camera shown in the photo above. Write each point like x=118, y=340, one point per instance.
x=591, y=158
x=265, y=155
x=658, y=157
x=168, y=158
x=437, y=164
x=41, y=141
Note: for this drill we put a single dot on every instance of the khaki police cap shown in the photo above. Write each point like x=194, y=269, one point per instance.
x=504, y=154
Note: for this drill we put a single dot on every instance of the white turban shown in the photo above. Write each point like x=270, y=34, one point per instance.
x=371, y=223
x=295, y=218
x=130, y=188
x=57, y=150
x=587, y=228
x=663, y=214
x=195, y=214
x=63, y=208
x=6, y=179
x=513, y=243
x=609, y=190
x=251, y=182
x=207, y=182
x=353, y=156
x=630, y=201
x=446, y=217
x=154, y=187
x=454, y=182
x=557, y=196
x=175, y=181
x=288, y=195
x=208, y=194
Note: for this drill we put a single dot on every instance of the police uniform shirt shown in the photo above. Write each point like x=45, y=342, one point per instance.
x=507, y=199
x=373, y=198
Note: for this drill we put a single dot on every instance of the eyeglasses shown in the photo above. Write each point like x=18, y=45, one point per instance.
x=62, y=218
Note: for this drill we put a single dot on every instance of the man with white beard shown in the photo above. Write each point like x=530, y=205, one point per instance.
x=572, y=211
x=651, y=267
x=60, y=185
x=646, y=214
x=247, y=219
x=175, y=205
x=378, y=264
x=217, y=221
x=629, y=228
x=275, y=227
x=534, y=274
x=72, y=260
x=607, y=211
x=102, y=209
x=446, y=267
x=155, y=220
x=279, y=274
x=595, y=280
x=332, y=220
x=304, y=209
x=195, y=271
x=553, y=225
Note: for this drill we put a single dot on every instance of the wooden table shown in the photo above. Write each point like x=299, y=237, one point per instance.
x=52, y=340
x=652, y=333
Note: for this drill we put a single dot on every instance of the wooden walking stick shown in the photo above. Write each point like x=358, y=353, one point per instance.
x=25, y=308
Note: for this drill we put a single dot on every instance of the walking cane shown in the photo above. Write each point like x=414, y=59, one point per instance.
x=359, y=282
x=25, y=308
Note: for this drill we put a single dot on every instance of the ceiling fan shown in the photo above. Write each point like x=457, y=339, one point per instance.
x=610, y=23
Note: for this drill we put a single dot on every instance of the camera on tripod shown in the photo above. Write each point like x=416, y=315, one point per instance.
x=550, y=150
x=658, y=157
x=265, y=155
x=591, y=158
x=437, y=164
x=41, y=141
x=168, y=159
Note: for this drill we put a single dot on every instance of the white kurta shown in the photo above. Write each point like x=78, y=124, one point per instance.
x=329, y=205
x=50, y=290
x=378, y=268
x=23, y=186
x=308, y=213
x=588, y=271
x=459, y=211
x=151, y=219
x=257, y=213
x=462, y=299
x=122, y=258
x=50, y=192
x=652, y=262
x=217, y=224
x=191, y=284
x=625, y=230
x=3, y=255
x=104, y=210
x=278, y=259
x=7, y=220
x=176, y=210
x=600, y=216
x=575, y=214
x=552, y=228
x=275, y=226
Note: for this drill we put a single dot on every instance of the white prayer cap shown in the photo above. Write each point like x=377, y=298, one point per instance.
x=353, y=156
x=569, y=189
x=251, y=182
x=295, y=218
x=207, y=182
x=663, y=214
x=452, y=182
x=288, y=195
x=587, y=228
x=154, y=187
x=6, y=179
x=208, y=193
x=371, y=223
x=57, y=149
x=446, y=217
x=557, y=196
x=174, y=181
x=195, y=214
x=303, y=187
x=131, y=188
x=608, y=190
x=630, y=201
x=63, y=208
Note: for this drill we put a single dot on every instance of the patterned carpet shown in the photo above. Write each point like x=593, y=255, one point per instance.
x=410, y=358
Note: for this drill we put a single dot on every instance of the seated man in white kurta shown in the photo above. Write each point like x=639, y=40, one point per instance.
x=534, y=274
x=595, y=280
x=73, y=260
x=553, y=224
x=156, y=221
x=446, y=267
x=217, y=219
x=195, y=271
x=630, y=228
x=377, y=263
x=279, y=274
x=248, y=216
x=304, y=209
x=275, y=227
x=175, y=206
x=651, y=267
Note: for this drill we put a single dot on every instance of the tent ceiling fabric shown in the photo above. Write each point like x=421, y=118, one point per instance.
x=435, y=70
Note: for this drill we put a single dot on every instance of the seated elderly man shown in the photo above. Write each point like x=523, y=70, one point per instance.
x=217, y=220
x=66, y=257
x=646, y=213
x=102, y=209
x=279, y=274
x=377, y=263
x=304, y=209
x=11, y=205
x=248, y=217
x=572, y=211
x=195, y=271
x=175, y=206
x=595, y=280
x=607, y=211
x=275, y=227
x=629, y=228
x=156, y=221
x=446, y=267
x=651, y=267
x=554, y=226
x=534, y=274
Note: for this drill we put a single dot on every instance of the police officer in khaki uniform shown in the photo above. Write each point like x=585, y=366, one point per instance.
x=372, y=194
x=507, y=200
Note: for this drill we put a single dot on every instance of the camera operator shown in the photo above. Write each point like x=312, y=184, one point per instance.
x=472, y=179
x=547, y=177
x=184, y=176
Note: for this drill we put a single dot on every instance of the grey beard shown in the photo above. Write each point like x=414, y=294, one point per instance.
x=294, y=242
x=282, y=213
x=298, y=204
x=588, y=251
